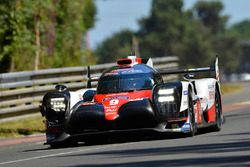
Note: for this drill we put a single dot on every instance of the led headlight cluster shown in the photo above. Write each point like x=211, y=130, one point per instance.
x=166, y=95
x=58, y=104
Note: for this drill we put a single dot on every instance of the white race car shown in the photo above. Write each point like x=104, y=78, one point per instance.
x=132, y=96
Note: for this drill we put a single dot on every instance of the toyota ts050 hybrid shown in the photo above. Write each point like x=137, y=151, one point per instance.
x=132, y=97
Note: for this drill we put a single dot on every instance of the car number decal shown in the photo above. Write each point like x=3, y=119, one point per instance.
x=113, y=102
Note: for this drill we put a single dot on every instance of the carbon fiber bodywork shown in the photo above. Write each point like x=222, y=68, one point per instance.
x=86, y=120
x=47, y=110
x=132, y=115
x=169, y=110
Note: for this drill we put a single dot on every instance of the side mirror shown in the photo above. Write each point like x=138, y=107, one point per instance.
x=89, y=95
x=61, y=88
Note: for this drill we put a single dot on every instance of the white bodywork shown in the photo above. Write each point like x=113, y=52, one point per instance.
x=206, y=92
x=184, y=97
x=205, y=89
x=76, y=96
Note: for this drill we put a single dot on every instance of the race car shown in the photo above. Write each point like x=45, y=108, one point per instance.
x=132, y=96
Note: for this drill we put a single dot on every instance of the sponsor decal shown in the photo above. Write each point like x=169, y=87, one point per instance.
x=211, y=95
x=111, y=111
x=210, y=86
x=113, y=102
x=185, y=128
x=88, y=103
x=185, y=92
x=114, y=72
x=116, y=94
x=116, y=97
x=131, y=71
x=80, y=97
x=137, y=99
x=111, y=108
x=124, y=71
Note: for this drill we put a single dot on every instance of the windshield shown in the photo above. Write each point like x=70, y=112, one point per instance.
x=111, y=84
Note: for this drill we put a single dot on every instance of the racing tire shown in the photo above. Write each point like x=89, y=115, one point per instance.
x=191, y=115
x=218, y=123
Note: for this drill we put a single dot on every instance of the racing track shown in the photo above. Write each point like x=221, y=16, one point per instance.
x=229, y=147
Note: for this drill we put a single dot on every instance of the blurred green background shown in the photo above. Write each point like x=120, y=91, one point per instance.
x=55, y=33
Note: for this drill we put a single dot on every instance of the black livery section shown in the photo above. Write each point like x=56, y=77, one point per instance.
x=132, y=115
x=169, y=110
x=51, y=113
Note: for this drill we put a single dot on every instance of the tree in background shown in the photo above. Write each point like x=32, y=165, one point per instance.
x=171, y=31
x=194, y=48
x=5, y=32
x=157, y=36
x=222, y=42
x=115, y=47
x=162, y=29
x=43, y=33
x=16, y=39
x=209, y=13
x=241, y=30
x=195, y=35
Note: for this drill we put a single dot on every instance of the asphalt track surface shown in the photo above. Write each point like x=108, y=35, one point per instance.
x=229, y=147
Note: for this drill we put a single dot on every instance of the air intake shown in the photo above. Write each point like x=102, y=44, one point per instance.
x=124, y=62
x=130, y=61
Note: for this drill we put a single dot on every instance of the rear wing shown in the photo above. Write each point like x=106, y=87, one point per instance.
x=214, y=68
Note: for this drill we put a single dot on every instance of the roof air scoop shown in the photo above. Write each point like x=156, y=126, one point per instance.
x=124, y=62
x=129, y=61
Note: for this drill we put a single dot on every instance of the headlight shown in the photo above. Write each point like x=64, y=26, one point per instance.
x=166, y=92
x=166, y=95
x=58, y=104
x=166, y=99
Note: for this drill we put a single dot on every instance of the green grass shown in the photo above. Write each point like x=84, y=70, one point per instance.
x=22, y=127
x=34, y=124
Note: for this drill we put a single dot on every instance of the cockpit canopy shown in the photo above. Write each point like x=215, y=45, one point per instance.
x=127, y=79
